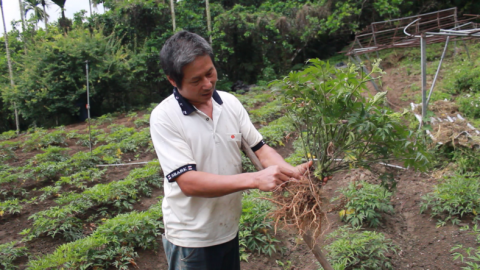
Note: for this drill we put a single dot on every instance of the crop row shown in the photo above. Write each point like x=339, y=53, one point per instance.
x=120, y=195
x=112, y=243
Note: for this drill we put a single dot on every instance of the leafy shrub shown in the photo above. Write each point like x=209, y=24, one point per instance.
x=255, y=233
x=473, y=254
x=335, y=121
x=275, y=132
x=469, y=105
x=353, y=249
x=453, y=198
x=111, y=244
x=8, y=253
x=365, y=202
x=7, y=135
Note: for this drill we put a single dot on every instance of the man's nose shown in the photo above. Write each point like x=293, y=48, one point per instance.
x=207, y=84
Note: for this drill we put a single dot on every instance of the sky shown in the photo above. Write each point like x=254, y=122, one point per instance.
x=11, y=9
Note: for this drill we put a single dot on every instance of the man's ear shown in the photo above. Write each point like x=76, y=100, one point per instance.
x=172, y=82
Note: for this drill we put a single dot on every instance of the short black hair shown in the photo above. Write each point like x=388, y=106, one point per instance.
x=180, y=50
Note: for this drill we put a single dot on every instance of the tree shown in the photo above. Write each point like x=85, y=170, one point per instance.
x=34, y=6
x=9, y=60
x=63, y=21
x=45, y=4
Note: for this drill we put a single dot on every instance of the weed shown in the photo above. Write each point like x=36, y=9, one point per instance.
x=354, y=249
x=365, y=202
x=453, y=198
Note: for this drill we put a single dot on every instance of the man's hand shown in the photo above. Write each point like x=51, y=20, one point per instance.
x=302, y=168
x=270, y=178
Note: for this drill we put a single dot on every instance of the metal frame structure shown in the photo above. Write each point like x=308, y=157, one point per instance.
x=423, y=29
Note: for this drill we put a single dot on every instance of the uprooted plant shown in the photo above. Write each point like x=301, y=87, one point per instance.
x=340, y=129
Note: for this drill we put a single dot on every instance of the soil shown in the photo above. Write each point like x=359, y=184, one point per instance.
x=421, y=244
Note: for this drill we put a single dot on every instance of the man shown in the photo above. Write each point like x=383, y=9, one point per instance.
x=197, y=134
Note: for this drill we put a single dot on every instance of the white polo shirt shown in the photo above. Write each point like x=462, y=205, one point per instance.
x=186, y=139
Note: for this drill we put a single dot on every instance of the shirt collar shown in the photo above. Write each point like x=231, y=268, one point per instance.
x=187, y=107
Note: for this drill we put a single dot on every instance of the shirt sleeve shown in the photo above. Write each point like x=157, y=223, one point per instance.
x=173, y=152
x=248, y=130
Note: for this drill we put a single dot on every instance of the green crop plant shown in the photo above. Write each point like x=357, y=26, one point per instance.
x=117, y=135
x=252, y=99
x=106, y=118
x=84, y=139
x=274, y=134
x=11, y=207
x=6, y=154
x=7, y=135
x=51, y=153
x=454, y=197
x=80, y=179
x=354, y=249
x=472, y=258
x=9, y=253
x=50, y=170
x=111, y=244
x=83, y=160
x=136, y=140
x=49, y=191
x=41, y=138
x=267, y=112
x=341, y=127
x=255, y=231
x=365, y=203
x=142, y=121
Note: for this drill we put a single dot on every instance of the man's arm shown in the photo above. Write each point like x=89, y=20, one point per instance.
x=202, y=184
x=276, y=172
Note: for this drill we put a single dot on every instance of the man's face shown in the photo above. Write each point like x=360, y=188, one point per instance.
x=199, y=78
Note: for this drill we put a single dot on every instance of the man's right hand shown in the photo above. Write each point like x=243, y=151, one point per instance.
x=270, y=178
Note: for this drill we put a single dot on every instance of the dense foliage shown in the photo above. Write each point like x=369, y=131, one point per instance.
x=254, y=41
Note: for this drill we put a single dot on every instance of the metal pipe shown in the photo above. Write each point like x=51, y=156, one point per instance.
x=423, y=51
x=438, y=69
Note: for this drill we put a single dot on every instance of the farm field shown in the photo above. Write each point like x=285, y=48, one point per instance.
x=59, y=209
